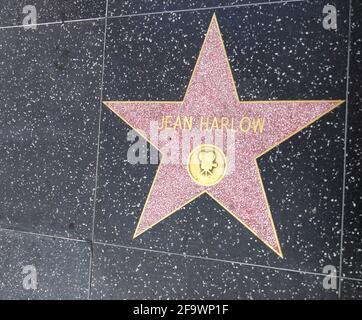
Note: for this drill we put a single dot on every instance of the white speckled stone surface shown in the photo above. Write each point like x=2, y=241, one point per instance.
x=57, y=141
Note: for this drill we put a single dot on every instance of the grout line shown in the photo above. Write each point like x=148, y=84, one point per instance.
x=345, y=149
x=98, y=150
x=225, y=261
x=211, y=259
x=350, y=278
x=154, y=13
x=51, y=23
x=42, y=235
x=206, y=8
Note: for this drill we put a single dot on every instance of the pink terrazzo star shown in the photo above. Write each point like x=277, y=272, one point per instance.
x=212, y=92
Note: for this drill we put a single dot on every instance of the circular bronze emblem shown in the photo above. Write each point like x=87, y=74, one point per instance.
x=207, y=165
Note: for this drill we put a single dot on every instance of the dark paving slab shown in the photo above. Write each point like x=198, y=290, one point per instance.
x=50, y=91
x=219, y=280
x=61, y=267
x=121, y=273
x=351, y=290
x=352, y=255
x=51, y=11
x=276, y=52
